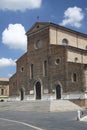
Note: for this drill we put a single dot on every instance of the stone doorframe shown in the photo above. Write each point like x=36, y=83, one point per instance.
x=38, y=80
x=22, y=93
x=58, y=92
x=61, y=90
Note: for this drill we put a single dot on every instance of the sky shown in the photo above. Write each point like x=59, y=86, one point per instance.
x=18, y=16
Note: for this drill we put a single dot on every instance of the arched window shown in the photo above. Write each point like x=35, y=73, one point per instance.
x=76, y=59
x=31, y=71
x=22, y=69
x=64, y=41
x=2, y=91
x=58, y=60
x=45, y=68
x=74, y=77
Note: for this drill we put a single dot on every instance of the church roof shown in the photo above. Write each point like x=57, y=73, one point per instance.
x=22, y=57
x=42, y=25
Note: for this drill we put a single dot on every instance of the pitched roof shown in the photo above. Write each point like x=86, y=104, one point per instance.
x=41, y=25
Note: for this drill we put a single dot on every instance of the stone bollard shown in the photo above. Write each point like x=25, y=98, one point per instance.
x=79, y=115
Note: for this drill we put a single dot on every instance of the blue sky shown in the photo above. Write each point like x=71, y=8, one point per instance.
x=17, y=16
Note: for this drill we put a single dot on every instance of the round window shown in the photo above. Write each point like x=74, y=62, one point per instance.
x=38, y=44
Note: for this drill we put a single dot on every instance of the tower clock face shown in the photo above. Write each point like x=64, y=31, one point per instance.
x=38, y=44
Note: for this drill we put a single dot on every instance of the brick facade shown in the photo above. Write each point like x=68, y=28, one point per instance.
x=50, y=68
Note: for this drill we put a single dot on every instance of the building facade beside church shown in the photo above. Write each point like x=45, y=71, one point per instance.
x=4, y=89
x=54, y=66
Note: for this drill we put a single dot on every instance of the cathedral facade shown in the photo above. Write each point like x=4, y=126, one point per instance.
x=54, y=66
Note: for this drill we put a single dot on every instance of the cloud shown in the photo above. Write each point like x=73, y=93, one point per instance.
x=21, y=5
x=14, y=36
x=9, y=75
x=73, y=17
x=4, y=62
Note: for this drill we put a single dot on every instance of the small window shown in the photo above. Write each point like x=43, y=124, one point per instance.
x=2, y=91
x=37, y=26
x=31, y=71
x=76, y=59
x=22, y=69
x=64, y=42
x=57, y=61
x=74, y=77
x=45, y=68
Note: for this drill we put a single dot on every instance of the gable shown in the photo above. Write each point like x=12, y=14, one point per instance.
x=37, y=26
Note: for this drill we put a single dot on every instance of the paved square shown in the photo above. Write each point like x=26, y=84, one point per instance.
x=14, y=120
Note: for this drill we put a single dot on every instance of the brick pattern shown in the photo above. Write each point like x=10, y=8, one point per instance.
x=50, y=51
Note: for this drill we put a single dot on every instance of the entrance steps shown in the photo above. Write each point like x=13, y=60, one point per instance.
x=63, y=105
x=40, y=106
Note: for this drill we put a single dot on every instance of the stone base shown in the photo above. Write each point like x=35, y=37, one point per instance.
x=79, y=99
x=80, y=102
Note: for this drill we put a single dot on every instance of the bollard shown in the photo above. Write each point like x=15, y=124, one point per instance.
x=79, y=115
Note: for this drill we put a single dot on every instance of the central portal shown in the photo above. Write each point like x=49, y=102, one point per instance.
x=38, y=90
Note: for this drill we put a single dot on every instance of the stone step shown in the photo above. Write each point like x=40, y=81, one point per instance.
x=63, y=105
x=39, y=105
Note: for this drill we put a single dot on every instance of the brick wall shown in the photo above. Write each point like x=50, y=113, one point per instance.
x=59, y=68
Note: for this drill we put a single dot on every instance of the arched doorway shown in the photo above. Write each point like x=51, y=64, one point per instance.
x=58, y=92
x=38, y=90
x=22, y=93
